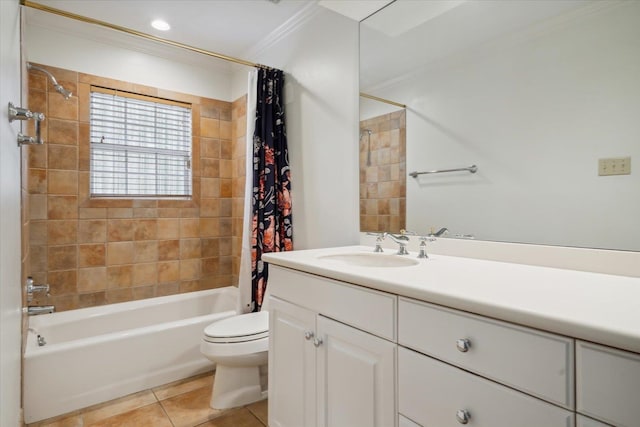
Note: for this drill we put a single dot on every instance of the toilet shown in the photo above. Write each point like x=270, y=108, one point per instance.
x=238, y=346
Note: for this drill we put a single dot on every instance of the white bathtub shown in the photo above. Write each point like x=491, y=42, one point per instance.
x=97, y=354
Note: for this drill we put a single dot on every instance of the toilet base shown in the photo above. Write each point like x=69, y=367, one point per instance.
x=236, y=386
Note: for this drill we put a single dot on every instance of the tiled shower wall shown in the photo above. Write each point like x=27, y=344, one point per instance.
x=102, y=251
x=383, y=181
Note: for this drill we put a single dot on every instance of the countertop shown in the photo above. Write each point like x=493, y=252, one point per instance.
x=600, y=308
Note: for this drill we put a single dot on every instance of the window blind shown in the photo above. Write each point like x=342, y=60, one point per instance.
x=140, y=146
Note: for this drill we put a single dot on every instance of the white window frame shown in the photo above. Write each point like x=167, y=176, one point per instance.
x=141, y=146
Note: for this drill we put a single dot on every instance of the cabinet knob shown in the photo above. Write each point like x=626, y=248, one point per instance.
x=317, y=342
x=308, y=335
x=463, y=345
x=463, y=416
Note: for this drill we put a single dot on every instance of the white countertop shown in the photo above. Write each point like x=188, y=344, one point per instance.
x=601, y=308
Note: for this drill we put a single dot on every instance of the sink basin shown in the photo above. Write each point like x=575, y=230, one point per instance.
x=371, y=260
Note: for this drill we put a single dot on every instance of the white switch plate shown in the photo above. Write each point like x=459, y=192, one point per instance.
x=614, y=166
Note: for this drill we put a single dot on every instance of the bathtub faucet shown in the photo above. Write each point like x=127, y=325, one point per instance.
x=43, y=309
x=31, y=288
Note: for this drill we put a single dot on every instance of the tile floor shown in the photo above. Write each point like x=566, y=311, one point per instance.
x=183, y=403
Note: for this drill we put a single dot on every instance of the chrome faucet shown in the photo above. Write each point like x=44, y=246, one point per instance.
x=31, y=288
x=44, y=309
x=439, y=233
x=401, y=239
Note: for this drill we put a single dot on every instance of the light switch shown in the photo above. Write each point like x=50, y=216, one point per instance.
x=614, y=166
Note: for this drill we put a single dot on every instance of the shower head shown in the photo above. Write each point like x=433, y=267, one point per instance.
x=61, y=90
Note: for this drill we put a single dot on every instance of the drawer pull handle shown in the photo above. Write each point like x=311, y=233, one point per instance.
x=317, y=342
x=463, y=416
x=308, y=335
x=463, y=345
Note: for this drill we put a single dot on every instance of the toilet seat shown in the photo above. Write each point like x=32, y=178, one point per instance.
x=238, y=329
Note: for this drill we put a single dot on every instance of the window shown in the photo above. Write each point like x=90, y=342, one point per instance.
x=140, y=145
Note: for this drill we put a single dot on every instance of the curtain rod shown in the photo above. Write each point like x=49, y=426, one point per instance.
x=126, y=30
x=386, y=101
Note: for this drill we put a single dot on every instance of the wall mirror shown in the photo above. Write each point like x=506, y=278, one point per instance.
x=544, y=97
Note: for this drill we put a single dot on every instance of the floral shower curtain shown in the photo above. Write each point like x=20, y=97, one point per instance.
x=271, y=225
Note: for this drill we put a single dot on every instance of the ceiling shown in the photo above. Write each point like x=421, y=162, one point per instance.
x=237, y=28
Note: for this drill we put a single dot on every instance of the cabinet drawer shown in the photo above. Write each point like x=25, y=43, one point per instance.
x=608, y=384
x=431, y=393
x=366, y=309
x=538, y=363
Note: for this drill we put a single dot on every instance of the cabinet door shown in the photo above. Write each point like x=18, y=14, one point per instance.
x=608, y=384
x=356, y=377
x=292, y=366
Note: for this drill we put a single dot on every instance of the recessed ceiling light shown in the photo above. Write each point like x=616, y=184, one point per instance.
x=161, y=25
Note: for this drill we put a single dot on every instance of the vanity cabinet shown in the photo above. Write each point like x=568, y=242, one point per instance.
x=608, y=385
x=326, y=371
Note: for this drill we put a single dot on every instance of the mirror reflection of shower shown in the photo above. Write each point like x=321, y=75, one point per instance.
x=368, y=132
x=61, y=90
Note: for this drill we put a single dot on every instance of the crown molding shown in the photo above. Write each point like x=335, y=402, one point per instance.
x=284, y=30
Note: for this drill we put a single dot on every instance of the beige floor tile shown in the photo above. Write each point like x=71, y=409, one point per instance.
x=259, y=409
x=147, y=416
x=191, y=408
x=118, y=406
x=184, y=386
x=235, y=418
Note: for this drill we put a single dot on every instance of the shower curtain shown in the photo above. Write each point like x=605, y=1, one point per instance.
x=271, y=223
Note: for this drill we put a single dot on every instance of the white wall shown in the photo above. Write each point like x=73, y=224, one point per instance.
x=95, y=55
x=535, y=116
x=320, y=59
x=10, y=287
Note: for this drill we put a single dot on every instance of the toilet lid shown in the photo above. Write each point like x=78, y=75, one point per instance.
x=245, y=327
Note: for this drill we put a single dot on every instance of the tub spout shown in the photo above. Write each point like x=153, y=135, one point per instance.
x=43, y=309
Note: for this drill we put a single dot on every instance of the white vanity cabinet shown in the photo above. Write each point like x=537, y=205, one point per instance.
x=324, y=371
x=608, y=385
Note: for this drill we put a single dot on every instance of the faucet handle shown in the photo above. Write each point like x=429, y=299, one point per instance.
x=379, y=238
x=423, y=245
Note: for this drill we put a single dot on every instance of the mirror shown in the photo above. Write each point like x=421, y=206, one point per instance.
x=544, y=97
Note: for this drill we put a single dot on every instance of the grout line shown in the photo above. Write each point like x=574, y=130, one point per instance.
x=164, y=411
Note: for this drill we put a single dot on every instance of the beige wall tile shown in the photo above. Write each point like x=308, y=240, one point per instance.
x=189, y=248
x=119, y=253
x=92, y=255
x=62, y=132
x=120, y=230
x=37, y=206
x=62, y=207
x=189, y=227
x=210, y=168
x=168, y=250
x=119, y=276
x=37, y=181
x=92, y=231
x=190, y=269
x=62, y=257
x=38, y=233
x=92, y=279
x=168, y=271
x=63, y=157
x=145, y=274
x=63, y=282
x=62, y=232
x=62, y=182
x=209, y=227
x=168, y=228
x=145, y=251
x=209, y=128
x=145, y=229
x=210, y=148
x=87, y=213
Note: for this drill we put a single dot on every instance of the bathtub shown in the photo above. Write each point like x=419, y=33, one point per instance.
x=96, y=354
